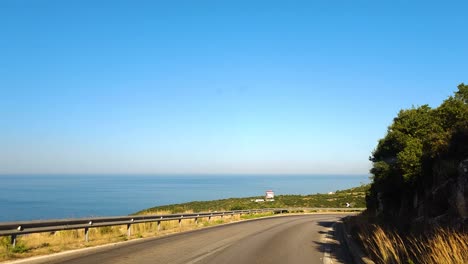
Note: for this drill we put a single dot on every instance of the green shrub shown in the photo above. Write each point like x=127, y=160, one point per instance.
x=237, y=207
x=7, y=248
x=19, y=248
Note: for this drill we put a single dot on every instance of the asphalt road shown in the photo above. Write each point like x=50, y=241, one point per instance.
x=289, y=239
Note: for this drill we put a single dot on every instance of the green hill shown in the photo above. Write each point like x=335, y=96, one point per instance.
x=354, y=196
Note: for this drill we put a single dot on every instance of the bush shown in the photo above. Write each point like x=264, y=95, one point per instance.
x=19, y=248
x=237, y=207
x=7, y=248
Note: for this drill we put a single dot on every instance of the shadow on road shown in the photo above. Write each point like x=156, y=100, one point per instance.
x=331, y=242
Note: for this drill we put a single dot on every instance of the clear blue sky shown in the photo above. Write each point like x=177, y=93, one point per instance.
x=217, y=86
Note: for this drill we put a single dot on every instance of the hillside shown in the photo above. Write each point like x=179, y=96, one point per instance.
x=354, y=196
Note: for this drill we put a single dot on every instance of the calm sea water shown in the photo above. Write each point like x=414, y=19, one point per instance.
x=31, y=197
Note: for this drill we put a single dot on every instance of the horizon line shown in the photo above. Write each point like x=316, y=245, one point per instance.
x=182, y=174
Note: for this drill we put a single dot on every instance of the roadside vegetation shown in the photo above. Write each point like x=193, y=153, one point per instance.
x=416, y=166
x=354, y=196
x=387, y=245
x=416, y=205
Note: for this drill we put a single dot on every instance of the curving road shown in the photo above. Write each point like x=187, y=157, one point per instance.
x=288, y=239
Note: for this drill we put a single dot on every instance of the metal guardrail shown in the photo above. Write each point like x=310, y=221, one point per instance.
x=15, y=229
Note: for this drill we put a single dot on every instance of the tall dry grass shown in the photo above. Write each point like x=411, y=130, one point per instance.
x=440, y=246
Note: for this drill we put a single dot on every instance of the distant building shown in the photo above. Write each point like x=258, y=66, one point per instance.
x=269, y=195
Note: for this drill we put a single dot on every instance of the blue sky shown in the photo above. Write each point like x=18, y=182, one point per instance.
x=217, y=86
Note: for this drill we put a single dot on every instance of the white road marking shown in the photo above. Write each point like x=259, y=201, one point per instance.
x=207, y=254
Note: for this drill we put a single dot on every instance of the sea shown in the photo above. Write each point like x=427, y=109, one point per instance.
x=39, y=197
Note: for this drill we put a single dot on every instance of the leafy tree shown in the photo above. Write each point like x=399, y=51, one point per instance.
x=416, y=140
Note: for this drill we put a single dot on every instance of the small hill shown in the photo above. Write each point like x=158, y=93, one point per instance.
x=354, y=196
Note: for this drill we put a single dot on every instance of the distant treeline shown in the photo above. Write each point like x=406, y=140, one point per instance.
x=416, y=166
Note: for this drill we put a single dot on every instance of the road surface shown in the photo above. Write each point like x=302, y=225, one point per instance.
x=288, y=239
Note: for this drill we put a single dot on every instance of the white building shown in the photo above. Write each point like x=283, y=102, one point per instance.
x=269, y=194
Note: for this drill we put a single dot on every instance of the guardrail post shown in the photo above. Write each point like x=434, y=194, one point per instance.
x=129, y=230
x=13, y=240
x=159, y=225
x=180, y=223
x=86, y=234
x=209, y=218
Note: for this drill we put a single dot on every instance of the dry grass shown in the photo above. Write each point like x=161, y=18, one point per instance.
x=444, y=246
x=440, y=246
x=52, y=242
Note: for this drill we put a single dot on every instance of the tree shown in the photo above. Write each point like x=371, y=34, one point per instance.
x=418, y=138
